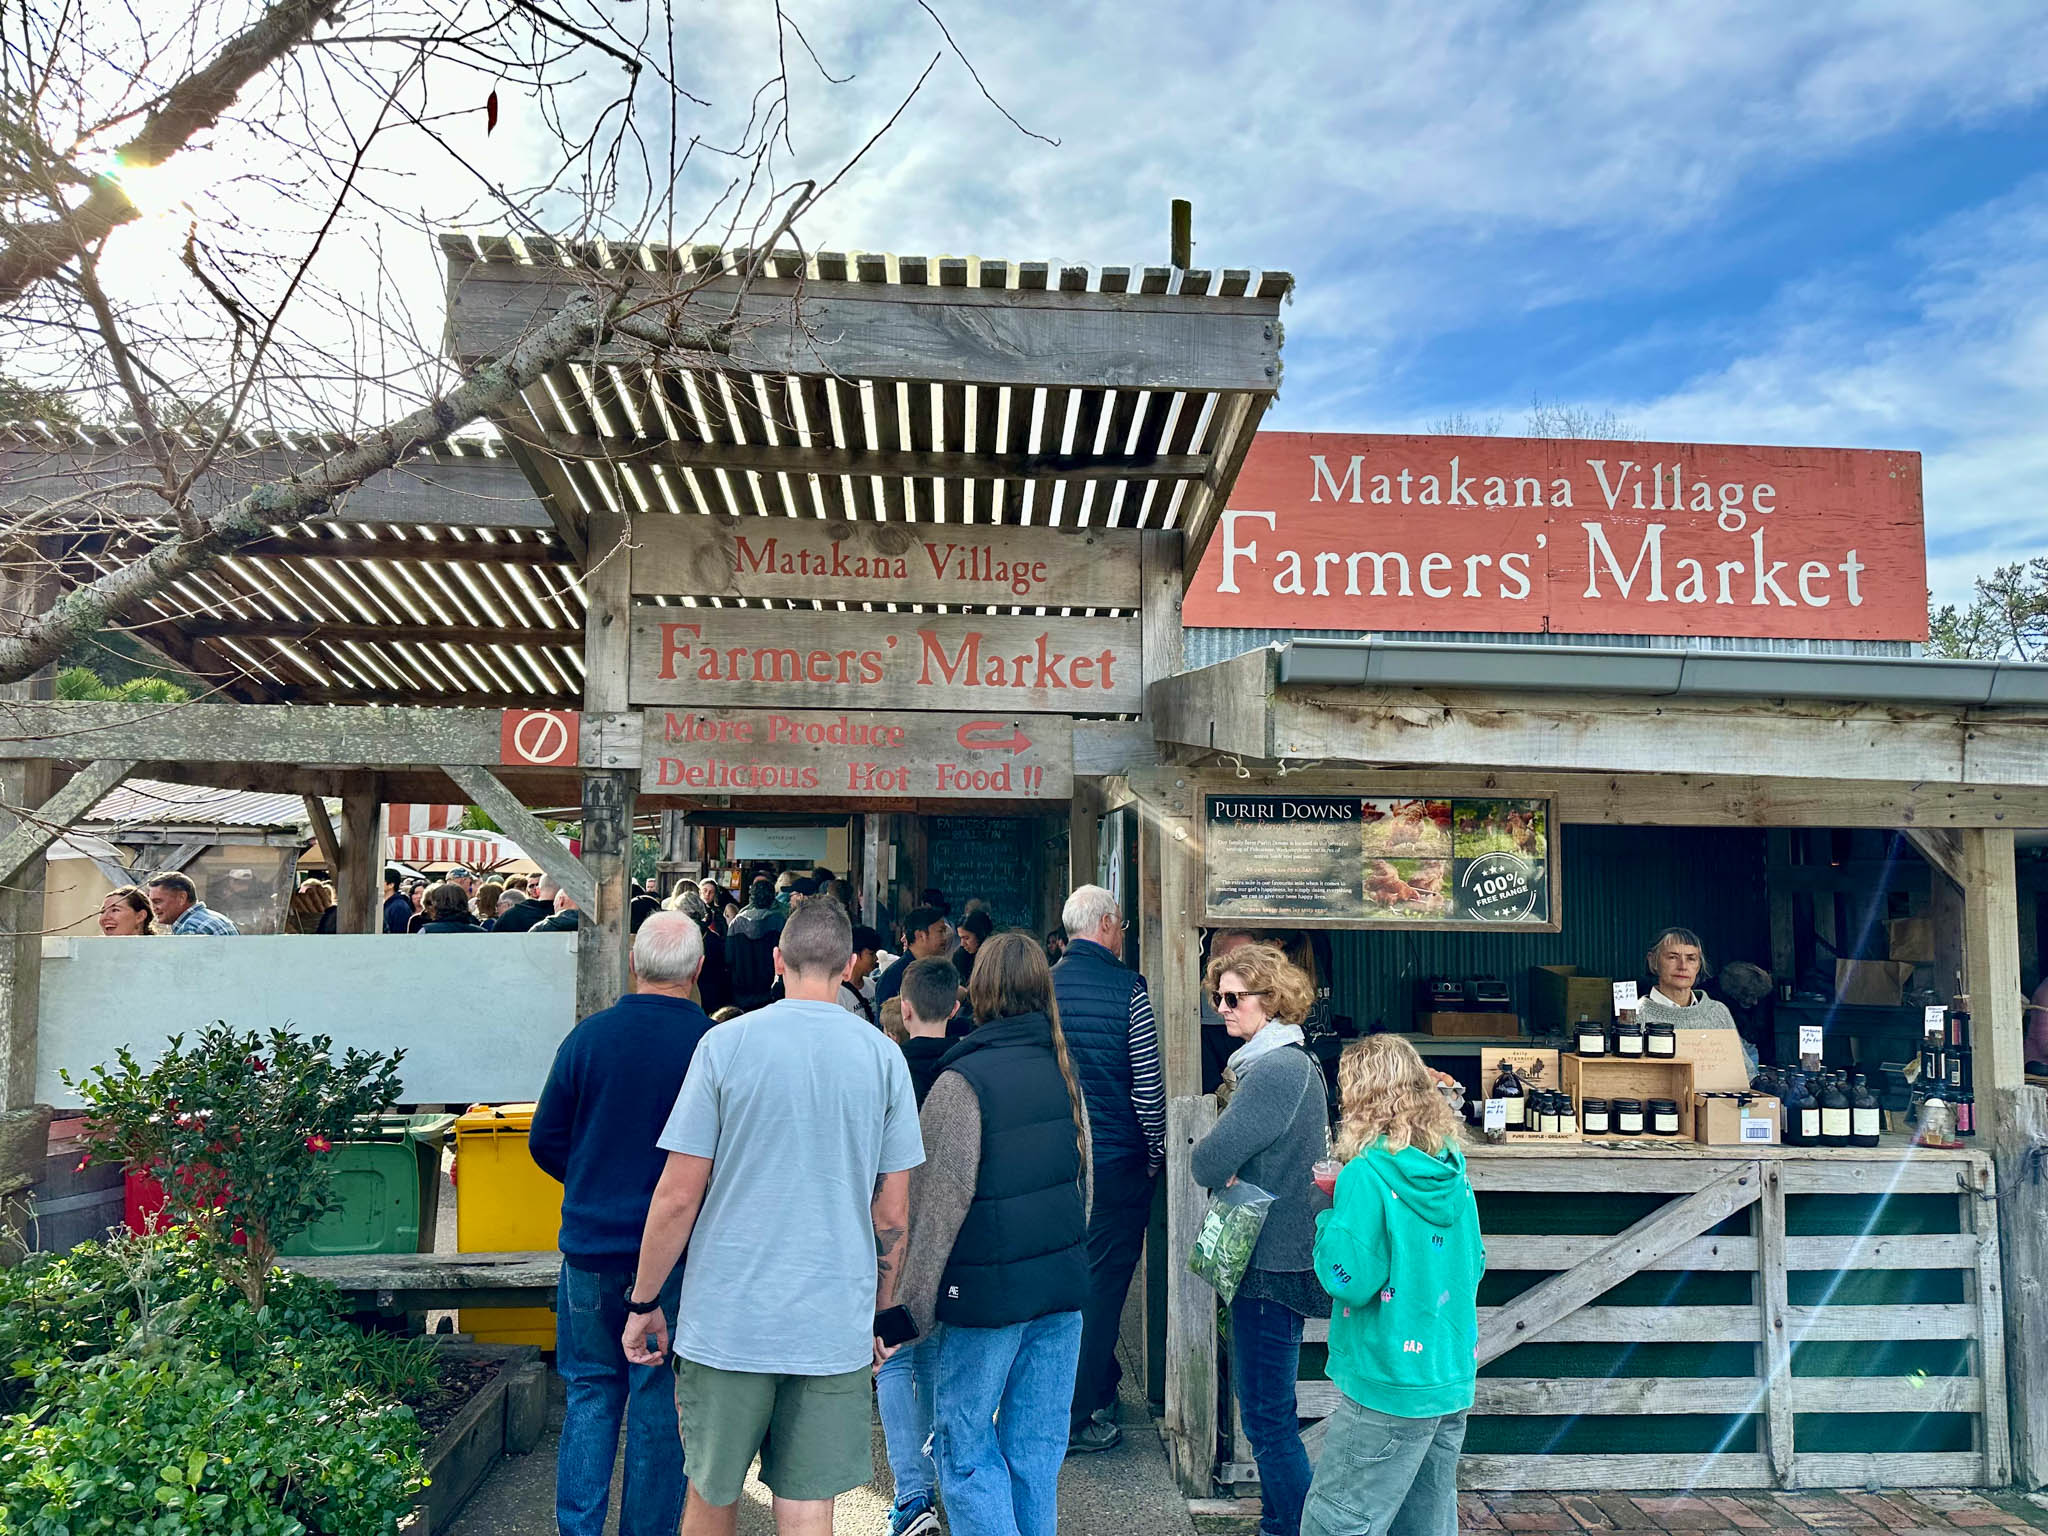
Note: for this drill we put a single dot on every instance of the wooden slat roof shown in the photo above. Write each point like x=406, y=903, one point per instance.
x=1048, y=395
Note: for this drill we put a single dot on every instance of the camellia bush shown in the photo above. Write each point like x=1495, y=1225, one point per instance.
x=236, y=1128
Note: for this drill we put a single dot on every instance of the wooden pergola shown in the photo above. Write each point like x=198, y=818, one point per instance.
x=494, y=573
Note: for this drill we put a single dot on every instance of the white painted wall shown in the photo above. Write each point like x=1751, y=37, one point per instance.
x=479, y=1016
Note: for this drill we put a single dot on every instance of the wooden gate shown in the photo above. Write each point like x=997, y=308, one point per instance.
x=1800, y=1381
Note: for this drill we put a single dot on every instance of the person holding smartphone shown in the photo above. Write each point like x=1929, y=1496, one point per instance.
x=998, y=1254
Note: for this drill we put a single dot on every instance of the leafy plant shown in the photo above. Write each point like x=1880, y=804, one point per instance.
x=84, y=683
x=237, y=1129
x=2006, y=617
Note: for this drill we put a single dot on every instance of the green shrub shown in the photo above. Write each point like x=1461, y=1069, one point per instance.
x=151, y=1448
x=237, y=1129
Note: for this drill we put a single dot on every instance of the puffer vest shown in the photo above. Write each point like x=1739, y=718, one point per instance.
x=1094, y=992
x=1022, y=1251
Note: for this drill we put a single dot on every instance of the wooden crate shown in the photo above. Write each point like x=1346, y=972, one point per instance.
x=1470, y=1026
x=1606, y=1077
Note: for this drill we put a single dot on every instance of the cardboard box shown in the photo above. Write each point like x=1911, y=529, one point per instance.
x=1878, y=983
x=1911, y=939
x=1718, y=1065
x=1558, y=994
x=1612, y=1077
x=1471, y=1026
x=1720, y=1121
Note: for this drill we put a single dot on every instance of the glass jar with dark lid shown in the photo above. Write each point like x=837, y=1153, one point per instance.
x=1629, y=1034
x=1589, y=1038
x=1595, y=1118
x=1628, y=1117
x=1663, y=1117
x=1662, y=1039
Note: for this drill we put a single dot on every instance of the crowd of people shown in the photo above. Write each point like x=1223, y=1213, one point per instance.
x=831, y=1171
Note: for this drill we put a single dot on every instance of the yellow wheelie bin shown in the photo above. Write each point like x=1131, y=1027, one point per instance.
x=503, y=1204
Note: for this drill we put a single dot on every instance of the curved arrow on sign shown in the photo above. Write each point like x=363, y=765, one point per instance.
x=974, y=737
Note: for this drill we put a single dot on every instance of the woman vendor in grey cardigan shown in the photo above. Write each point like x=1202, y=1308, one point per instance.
x=1271, y=1134
x=1677, y=963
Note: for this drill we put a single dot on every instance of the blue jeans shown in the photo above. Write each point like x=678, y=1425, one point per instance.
x=1000, y=1396
x=590, y=1317
x=903, y=1394
x=1385, y=1476
x=1116, y=1239
x=1265, y=1361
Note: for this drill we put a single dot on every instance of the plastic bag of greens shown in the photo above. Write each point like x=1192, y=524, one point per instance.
x=1230, y=1231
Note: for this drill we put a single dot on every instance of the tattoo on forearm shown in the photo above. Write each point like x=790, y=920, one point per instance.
x=887, y=1241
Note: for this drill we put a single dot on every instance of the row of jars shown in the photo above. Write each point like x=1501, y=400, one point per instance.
x=1626, y=1036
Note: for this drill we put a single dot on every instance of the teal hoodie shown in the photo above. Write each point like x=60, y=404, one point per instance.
x=1400, y=1253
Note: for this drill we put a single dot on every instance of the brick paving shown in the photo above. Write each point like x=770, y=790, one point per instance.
x=1813, y=1511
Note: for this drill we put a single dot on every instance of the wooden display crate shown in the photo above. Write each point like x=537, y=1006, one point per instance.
x=1609, y=1077
x=1470, y=1026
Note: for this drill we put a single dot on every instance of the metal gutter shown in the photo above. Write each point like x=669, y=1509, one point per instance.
x=1700, y=674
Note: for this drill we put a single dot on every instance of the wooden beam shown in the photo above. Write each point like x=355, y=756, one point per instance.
x=1991, y=942
x=794, y=459
x=1159, y=559
x=395, y=634
x=359, y=888
x=547, y=479
x=1941, y=847
x=439, y=703
x=323, y=833
x=1664, y=1229
x=1774, y=1355
x=446, y=492
x=524, y=828
x=414, y=551
x=1192, y=1380
x=874, y=331
x=1203, y=512
x=609, y=794
x=246, y=733
x=36, y=830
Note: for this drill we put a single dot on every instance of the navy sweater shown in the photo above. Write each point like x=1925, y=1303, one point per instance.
x=614, y=1082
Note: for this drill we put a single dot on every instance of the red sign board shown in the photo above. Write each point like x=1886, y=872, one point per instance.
x=538, y=738
x=1497, y=534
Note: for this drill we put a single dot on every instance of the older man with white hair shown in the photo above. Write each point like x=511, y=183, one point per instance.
x=615, y=1079
x=1106, y=1014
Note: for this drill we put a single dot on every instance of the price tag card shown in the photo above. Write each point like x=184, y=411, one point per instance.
x=1934, y=1021
x=1624, y=995
x=1809, y=1039
x=1496, y=1115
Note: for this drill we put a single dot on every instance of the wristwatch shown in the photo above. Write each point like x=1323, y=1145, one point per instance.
x=642, y=1308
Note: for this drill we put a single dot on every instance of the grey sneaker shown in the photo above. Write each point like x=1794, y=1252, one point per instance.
x=1094, y=1436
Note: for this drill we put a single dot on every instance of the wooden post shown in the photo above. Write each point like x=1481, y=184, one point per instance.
x=359, y=886
x=1991, y=963
x=608, y=794
x=1192, y=1367
x=27, y=585
x=1084, y=832
x=1776, y=1350
x=2019, y=1144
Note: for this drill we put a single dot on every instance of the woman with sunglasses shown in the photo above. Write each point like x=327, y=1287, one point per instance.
x=1271, y=1134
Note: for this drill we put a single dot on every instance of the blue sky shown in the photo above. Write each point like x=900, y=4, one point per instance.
x=1725, y=222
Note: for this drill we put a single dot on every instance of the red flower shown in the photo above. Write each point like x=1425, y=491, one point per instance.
x=84, y=1163
x=319, y=1144
x=256, y=1064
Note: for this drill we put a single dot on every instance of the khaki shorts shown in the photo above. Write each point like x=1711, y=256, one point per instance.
x=813, y=1433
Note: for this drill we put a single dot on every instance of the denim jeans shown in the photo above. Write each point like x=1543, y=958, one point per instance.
x=1265, y=1361
x=590, y=1317
x=1116, y=1238
x=903, y=1395
x=1000, y=1396
x=1385, y=1476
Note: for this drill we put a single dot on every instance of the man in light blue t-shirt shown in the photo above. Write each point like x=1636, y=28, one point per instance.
x=790, y=1149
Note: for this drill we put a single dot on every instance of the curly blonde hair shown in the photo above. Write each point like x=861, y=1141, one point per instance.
x=1387, y=1091
x=1265, y=971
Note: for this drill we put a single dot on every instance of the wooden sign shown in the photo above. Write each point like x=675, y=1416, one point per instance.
x=837, y=754
x=972, y=565
x=797, y=660
x=1503, y=534
x=1345, y=861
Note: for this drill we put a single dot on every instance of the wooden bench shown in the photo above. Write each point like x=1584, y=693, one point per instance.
x=397, y=1283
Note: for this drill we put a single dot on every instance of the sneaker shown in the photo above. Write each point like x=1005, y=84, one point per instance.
x=914, y=1519
x=1094, y=1436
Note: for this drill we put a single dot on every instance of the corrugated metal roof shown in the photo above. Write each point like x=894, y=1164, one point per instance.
x=150, y=802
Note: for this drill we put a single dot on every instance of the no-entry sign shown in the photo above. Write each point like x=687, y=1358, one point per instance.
x=840, y=754
x=538, y=738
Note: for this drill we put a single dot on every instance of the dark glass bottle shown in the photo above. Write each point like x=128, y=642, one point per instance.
x=1834, y=1112
x=1865, y=1118
x=1966, y=1113
x=1508, y=1089
x=1796, y=1102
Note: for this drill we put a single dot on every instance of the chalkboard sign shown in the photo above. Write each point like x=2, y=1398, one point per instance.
x=993, y=857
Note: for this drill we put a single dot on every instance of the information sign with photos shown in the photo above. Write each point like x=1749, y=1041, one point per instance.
x=1350, y=861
